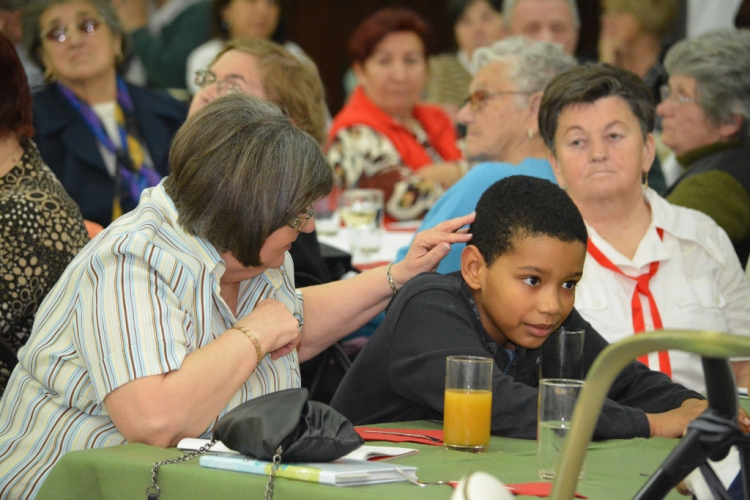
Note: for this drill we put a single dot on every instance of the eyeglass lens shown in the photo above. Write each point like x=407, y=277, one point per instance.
x=59, y=32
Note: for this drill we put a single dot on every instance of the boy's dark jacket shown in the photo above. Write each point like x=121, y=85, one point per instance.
x=400, y=374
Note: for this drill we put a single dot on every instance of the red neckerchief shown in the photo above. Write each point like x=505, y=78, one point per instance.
x=641, y=287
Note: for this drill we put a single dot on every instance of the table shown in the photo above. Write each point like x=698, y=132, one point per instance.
x=614, y=470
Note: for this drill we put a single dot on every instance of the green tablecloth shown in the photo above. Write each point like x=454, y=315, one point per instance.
x=614, y=469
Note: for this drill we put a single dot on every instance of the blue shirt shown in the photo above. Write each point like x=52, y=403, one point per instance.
x=462, y=198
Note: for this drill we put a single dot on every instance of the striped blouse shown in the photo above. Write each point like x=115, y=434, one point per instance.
x=133, y=303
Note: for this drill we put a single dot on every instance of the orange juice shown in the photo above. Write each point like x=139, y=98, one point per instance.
x=466, y=419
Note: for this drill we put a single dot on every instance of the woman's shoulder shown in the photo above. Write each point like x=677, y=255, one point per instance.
x=690, y=225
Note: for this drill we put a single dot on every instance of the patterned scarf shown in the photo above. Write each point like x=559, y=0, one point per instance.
x=132, y=173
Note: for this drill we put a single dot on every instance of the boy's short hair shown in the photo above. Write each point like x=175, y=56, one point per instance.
x=521, y=206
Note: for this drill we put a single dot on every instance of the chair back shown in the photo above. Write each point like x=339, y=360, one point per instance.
x=610, y=363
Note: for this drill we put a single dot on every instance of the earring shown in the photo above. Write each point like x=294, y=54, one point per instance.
x=225, y=25
x=49, y=76
x=530, y=133
x=645, y=180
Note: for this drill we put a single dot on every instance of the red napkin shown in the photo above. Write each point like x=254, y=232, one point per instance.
x=527, y=489
x=409, y=435
x=534, y=489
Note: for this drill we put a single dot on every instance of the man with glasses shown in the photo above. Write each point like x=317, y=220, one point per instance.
x=502, y=136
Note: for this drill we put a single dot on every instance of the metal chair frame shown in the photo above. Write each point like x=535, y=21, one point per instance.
x=715, y=347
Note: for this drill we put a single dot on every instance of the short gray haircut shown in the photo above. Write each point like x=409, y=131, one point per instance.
x=510, y=5
x=533, y=62
x=240, y=170
x=31, y=37
x=720, y=63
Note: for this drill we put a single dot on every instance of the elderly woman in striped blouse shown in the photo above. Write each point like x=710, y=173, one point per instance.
x=186, y=307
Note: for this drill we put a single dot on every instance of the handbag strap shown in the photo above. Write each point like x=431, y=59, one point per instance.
x=153, y=490
x=276, y=461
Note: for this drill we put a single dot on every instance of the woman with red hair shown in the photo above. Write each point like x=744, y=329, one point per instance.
x=42, y=227
x=383, y=138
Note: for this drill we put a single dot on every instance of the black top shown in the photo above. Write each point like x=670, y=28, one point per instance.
x=71, y=150
x=400, y=374
x=41, y=232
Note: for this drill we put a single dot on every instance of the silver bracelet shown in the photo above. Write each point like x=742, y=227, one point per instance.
x=390, y=277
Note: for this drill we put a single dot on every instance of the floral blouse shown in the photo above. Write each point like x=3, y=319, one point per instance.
x=362, y=157
x=41, y=231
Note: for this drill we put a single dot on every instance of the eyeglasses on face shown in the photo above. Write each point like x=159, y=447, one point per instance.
x=205, y=77
x=299, y=222
x=479, y=98
x=60, y=32
x=666, y=92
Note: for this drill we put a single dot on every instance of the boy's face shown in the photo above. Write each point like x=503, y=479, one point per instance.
x=526, y=294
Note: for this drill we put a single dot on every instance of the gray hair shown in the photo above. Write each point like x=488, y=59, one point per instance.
x=31, y=37
x=535, y=62
x=720, y=63
x=510, y=5
x=240, y=170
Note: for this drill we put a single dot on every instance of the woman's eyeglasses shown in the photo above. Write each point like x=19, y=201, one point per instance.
x=299, y=222
x=204, y=78
x=679, y=98
x=60, y=32
x=479, y=98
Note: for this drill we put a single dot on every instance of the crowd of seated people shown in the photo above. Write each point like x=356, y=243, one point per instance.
x=220, y=191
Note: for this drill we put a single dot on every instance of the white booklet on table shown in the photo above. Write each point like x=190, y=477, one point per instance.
x=341, y=472
x=365, y=452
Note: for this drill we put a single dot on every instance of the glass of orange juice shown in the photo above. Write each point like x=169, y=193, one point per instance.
x=467, y=413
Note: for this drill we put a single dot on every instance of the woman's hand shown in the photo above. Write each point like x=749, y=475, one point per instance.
x=743, y=420
x=429, y=247
x=276, y=329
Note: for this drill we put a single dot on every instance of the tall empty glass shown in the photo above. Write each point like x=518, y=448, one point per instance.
x=561, y=355
x=467, y=414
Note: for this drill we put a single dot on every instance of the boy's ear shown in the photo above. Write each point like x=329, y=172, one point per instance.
x=472, y=264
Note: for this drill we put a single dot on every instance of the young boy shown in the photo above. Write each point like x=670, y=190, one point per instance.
x=516, y=286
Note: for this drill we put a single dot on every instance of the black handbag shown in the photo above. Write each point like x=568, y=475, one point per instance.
x=280, y=424
x=286, y=423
